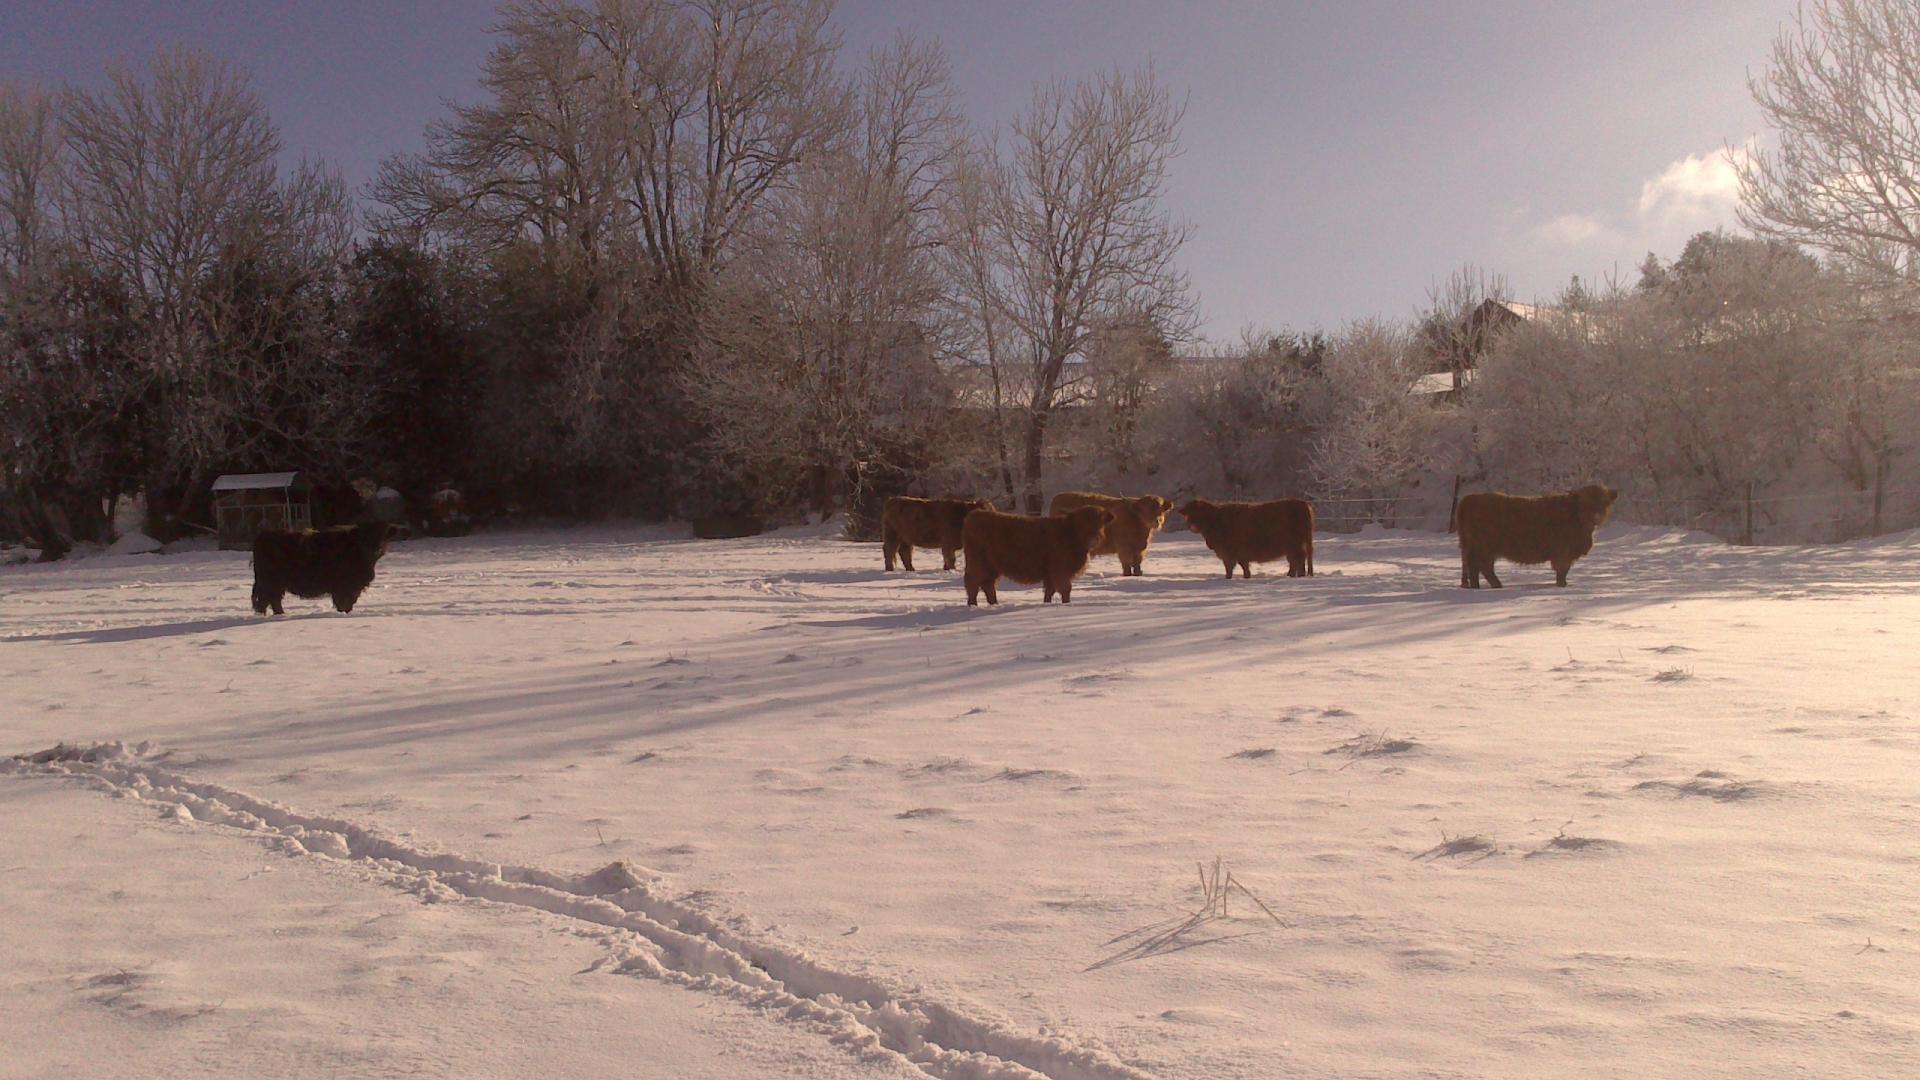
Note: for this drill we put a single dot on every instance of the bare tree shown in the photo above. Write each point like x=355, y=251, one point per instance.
x=1376, y=439
x=1455, y=328
x=1869, y=399
x=175, y=196
x=1232, y=422
x=1127, y=358
x=176, y=167
x=823, y=350
x=31, y=165
x=660, y=125
x=1074, y=231
x=1842, y=92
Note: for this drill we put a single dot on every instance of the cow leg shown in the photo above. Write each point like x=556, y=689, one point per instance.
x=1066, y=592
x=1469, y=572
x=906, y=555
x=951, y=554
x=1046, y=591
x=992, y=588
x=886, y=547
x=973, y=593
x=260, y=600
x=1229, y=565
x=1246, y=570
x=1493, y=579
x=1560, y=568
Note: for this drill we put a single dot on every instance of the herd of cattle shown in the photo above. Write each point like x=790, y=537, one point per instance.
x=1047, y=551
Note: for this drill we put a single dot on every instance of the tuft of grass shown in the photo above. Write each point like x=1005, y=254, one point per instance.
x=1562, y=842
x=1673, y=675
x=1453, y=847
x=1708, y=784
x=1373, y=744
x=1217, y=886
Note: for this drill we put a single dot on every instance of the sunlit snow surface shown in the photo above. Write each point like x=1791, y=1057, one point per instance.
x=567, y=801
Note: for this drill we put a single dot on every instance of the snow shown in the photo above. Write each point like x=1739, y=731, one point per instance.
x=254, y=481
x=600, y=797
x=134, y=542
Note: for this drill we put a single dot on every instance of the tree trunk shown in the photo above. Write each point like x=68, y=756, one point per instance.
x=820, y=485
x=1880, y=469
x=1035, y=458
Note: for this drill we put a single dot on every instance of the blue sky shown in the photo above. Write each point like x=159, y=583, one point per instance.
x=1339, y=157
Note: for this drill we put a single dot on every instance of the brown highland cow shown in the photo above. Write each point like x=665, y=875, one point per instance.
x=1242, y=533
x=1134, y=523
x=336, y=563
x=1528, y=529
x=907, y=523
x=1049, y=551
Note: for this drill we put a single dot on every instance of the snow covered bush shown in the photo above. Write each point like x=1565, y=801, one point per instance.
x=1378, y=443
x=1231, y=425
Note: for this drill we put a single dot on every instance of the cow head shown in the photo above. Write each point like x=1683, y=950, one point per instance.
x=1199, y=513
x=1153, y=511
x=1089, y=523
x=371, y=538
x=956, y=511
x=1595, y=502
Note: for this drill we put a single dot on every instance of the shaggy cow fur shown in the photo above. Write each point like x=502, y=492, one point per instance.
x=1134, y=523
x=336, y=562
x=1528, y=529
x=908, y=523
x=1242, y=533
x=1050, y=551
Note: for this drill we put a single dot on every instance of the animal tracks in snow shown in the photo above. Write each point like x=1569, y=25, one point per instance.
x=662, y=938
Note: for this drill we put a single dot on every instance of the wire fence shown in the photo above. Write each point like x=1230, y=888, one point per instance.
x=1828, y=516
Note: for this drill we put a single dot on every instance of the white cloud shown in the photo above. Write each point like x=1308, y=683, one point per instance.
x=1569, y=229
x=1696, y=193
x=1696, y=186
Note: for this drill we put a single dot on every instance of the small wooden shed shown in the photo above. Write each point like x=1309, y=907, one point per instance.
x=245, y=503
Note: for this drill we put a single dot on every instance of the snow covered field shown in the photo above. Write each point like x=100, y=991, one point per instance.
x=613, y=802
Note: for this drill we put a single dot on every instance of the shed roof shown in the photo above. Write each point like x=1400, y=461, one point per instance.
x=259, y=481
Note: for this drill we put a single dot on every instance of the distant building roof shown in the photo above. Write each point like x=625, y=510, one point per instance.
x=259, y=481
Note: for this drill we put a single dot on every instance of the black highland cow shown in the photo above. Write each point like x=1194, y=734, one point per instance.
x=336, y=562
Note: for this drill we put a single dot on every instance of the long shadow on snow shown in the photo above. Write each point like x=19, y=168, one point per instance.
x=112, y=634
x=828, y=670
x=1025, y=650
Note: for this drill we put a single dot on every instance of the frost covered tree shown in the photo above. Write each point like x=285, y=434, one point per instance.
x=1868, y=402
x=172, y=301
x=1070, y=230
x=820, y=361
x=652, y=126
x=1450, y=329
x=1375, y=438
x=1841, y=90
x=175, y=196
x=1127, y=360
x=1554, y=400
x=630, y=146
x=1235, y=423
x=1743, y=368
x=31, y=171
